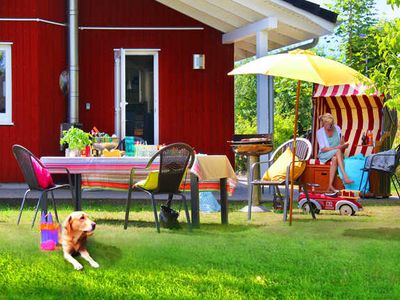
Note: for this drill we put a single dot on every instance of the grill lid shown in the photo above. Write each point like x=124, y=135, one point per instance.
x=246, y=139
x=252, y=144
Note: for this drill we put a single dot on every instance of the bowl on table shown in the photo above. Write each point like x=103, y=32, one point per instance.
x=105, y=145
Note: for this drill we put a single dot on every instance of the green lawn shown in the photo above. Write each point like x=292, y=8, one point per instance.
x=334, y=257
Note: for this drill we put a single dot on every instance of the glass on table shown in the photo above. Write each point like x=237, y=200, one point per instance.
x=130, y=146
x=139, y=150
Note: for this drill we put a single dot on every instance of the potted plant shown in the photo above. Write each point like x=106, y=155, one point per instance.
x=77, y=140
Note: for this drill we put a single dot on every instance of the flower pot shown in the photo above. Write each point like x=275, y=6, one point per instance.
x=72, y=152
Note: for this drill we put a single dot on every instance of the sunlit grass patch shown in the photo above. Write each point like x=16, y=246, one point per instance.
x=331, y=257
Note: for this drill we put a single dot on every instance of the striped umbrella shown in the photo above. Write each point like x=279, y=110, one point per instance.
x=301, y=65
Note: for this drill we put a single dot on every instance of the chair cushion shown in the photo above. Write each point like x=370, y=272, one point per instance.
x=277, y=171
x=150, y=183
x=42, y=175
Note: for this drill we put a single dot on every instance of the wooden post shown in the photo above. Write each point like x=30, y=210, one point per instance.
x=296, y=116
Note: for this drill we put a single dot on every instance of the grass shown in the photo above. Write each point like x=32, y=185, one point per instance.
x=334, y=257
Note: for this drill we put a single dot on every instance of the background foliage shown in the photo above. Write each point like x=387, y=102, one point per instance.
x=386, y=73
x=355, y=34
x=285, y=97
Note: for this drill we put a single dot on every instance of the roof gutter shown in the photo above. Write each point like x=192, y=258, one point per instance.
x=73, y=60
x=292, y=47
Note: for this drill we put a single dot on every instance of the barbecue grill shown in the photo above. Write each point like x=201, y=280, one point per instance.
x=252, y=144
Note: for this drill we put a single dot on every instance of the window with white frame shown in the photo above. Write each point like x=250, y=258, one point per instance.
x=5, y=84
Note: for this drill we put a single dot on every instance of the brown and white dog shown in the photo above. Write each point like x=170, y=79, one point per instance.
x=75, y=230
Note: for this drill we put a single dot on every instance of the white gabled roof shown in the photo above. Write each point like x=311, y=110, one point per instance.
x=287, y=21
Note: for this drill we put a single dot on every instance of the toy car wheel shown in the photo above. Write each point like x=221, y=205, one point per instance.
x=346, y=210
x=306, y=208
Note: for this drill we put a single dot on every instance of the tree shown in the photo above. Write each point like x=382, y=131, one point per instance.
x=394, y=2
x=245, y=110
x=285, y=95
x=285, y=101
x=245, y=104
x=386, y=73
x=370, y=47
x=357, y=42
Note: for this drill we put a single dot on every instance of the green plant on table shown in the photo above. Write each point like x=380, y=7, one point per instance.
x=76, y=138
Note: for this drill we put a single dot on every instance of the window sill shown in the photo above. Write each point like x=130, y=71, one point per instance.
x=6, y=124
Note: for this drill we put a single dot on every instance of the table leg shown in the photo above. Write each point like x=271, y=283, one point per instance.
x=224, y=201
x=78, y=191
x=194, y=199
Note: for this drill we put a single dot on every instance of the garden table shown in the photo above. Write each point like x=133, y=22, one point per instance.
x=208, y=173
x=208, y=168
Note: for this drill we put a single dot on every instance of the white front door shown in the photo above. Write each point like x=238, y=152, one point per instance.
x=136, y=94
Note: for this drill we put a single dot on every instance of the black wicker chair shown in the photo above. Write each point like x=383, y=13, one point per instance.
x=24, y=158
x=175, y=159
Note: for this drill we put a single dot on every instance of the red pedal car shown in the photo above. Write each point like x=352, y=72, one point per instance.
x=345, y=202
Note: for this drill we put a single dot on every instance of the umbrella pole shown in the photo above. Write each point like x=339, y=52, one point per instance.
x=296, y=117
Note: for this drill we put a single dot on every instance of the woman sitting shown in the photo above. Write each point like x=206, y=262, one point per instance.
x=331, y=146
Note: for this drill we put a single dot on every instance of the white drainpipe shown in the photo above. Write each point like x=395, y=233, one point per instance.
x=73, y=107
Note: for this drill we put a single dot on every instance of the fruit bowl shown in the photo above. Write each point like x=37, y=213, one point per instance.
x=101, y=146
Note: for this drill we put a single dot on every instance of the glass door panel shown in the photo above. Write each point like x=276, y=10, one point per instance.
x=139, y=93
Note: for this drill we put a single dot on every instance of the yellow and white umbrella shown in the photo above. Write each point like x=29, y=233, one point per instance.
x=301, y=65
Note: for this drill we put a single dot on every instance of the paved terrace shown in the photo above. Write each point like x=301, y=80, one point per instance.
x=12, y=193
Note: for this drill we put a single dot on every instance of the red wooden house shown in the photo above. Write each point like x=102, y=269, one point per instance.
x=140, y=67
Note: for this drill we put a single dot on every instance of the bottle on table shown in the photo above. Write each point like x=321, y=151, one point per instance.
x=130, y=146
x=363, y=139
x=369, y=138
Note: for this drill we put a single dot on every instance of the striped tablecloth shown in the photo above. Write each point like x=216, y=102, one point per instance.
x=112, y=173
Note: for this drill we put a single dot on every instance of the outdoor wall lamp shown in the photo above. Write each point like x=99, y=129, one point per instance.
x=199, y=61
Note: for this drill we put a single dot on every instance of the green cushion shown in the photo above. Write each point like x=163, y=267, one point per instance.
x=150, y=183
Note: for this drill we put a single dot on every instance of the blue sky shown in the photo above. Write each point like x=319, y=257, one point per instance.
x=387, y=9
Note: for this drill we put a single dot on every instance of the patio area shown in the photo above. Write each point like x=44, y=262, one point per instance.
x=12, y=193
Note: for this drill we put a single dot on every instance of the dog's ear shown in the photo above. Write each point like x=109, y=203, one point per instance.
x=67, y=224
